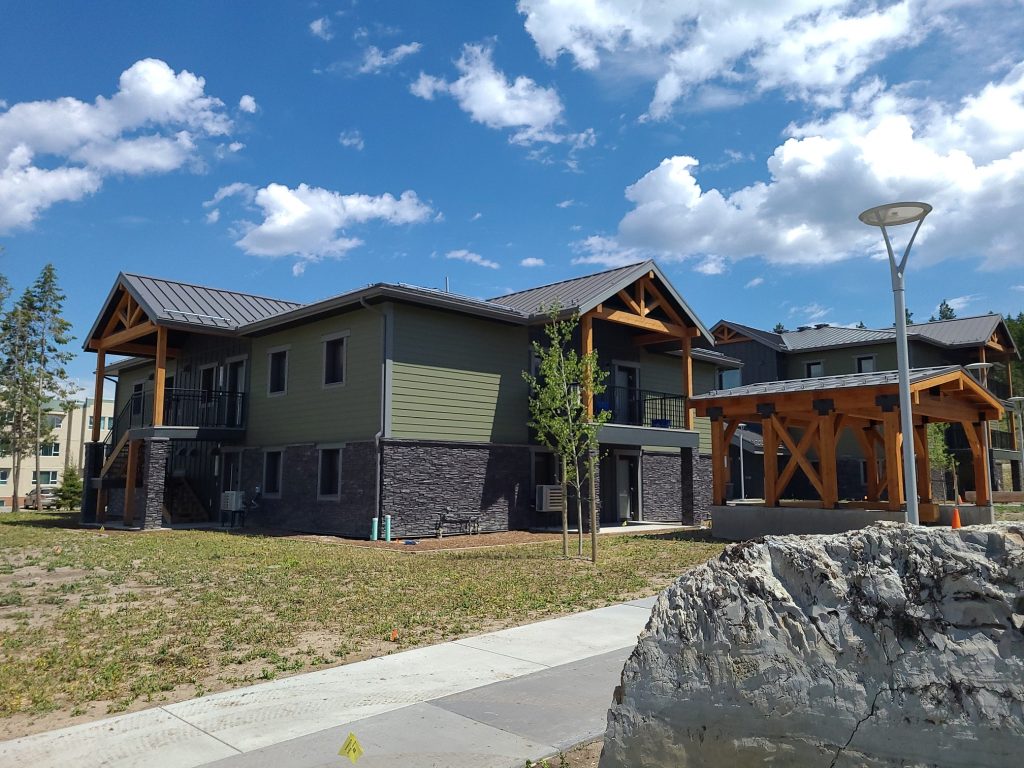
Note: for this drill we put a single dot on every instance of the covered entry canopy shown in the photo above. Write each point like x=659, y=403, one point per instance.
x=808, y=416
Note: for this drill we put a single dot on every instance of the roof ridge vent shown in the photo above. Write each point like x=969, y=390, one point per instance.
x=804, y=327
x=818, y=326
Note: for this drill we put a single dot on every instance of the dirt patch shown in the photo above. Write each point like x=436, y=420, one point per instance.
x=584, y=756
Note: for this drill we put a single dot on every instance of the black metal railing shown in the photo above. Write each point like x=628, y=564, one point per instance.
x=1002, y=440
x=1000, y=389
x=642, y=407
x=182, y=408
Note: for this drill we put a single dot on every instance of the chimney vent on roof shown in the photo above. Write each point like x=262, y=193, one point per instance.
x=821, y=325
x=803, y=327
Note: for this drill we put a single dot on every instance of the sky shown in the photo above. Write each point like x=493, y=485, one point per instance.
x=300, y=150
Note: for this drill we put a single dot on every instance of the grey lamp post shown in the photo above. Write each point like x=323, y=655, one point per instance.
x=893, y=215
x=1018, y=410
x=981, y=374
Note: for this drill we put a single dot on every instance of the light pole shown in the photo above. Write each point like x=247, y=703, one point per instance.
x=895, y=214
x=981, y=375
x=1018, y=410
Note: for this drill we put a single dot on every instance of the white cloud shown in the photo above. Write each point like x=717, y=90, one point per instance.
x=487, y=96
x=213, y=216
x=321, y=28
x=247, y=104
x=966, y=161
x=754, y=282
x=310, y=223
x=811, y=313
x=375, y=60
x=353, y=139
x=810, y=49
x=960, y=303
x=1017, y=287
x=531, y=262
x=238, y=189
x=565, y=204
x=476, y=216
x=61, y=150
x=236, y=146
x=472, y=258
x=712, y=265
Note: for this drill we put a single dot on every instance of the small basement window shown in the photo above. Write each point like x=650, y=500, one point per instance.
x=329, y=484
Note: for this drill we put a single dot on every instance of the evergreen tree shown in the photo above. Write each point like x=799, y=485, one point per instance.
x=18, y=388
x=49, y=335
x=946, y=312
x=861, y=325
x=779, y=328
x=69, y=495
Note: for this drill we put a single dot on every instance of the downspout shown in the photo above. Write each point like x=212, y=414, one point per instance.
x=378, y=444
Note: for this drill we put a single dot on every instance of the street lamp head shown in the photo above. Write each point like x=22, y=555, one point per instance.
x=979, y=366
x=894, y=214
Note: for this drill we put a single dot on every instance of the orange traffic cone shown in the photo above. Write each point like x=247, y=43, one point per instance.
x=956, y=518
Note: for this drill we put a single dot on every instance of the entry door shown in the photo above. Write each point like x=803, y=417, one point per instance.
x=626, y=386
x=235, y=387
x=627, y=486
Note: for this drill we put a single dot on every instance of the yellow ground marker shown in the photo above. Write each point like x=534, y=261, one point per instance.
x=351, y=749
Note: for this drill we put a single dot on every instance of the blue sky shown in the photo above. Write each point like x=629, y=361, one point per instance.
x=303, y=149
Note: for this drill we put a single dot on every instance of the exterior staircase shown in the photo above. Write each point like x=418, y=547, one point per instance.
x=181, y=504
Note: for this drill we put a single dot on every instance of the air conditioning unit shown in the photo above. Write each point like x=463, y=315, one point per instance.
x=550, y=498
x=231, y=501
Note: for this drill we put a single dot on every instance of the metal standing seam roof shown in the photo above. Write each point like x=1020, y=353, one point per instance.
x=771, y=339
x=834, y=336
x=186, y=304
x=586, y=292
x=959, y=332
x=846, y=381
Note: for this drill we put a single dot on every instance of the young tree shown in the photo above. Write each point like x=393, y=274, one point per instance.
x=861, y=325
x=558, y=413
x=946, y=312
x=48, y=354
x=939, y=453
x=69, y=495
x=18, y=389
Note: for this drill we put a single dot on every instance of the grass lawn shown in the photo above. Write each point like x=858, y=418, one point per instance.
x=1009, y=513
x=94, y=622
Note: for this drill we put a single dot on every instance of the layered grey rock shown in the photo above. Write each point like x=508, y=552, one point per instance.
x=889, y=646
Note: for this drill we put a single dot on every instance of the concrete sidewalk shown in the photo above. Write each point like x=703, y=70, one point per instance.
x=491, y=700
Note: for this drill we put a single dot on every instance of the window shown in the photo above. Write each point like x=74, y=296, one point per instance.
x=866, y=364
x=137, y=399
x=334, y=359
x=814, y=370
x=49, y=449
x=277, y=371
x=5, y=475
x=329, y=484
x=272, y=473
x=46, y=477
x=207, y=379
x=729, y=378
x=106, y=422
x=54, y=420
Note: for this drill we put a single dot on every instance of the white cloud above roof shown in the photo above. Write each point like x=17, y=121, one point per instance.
x=321, y=28
x=471, y=258
x=375, y=60
x=63, y=149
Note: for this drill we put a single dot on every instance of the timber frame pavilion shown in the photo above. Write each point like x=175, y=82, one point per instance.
x=802, y=421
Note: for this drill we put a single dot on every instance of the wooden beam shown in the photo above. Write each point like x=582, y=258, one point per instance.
x=771, y=461
x=101, y=504
x=827, y=460
x=893, y=465
x=867, y=445
x=687, y=382
x=113, y=454
x=130, y=334
x=718, y=462
x=641, y=297
x=982, y=476
x=97, y=395
x=115, y=317
x=587, y=333
x=647, y=323
x=924, y=465
x=798, y=457
x=130, y=481
x=666, y=306
x=139, y=350
x=628, y=301
x=647, y=339
x=160, y=376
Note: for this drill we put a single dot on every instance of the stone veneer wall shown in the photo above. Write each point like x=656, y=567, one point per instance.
x=696, y=492
x=149, y=491
x=421, y=478
x=661, y=477
x=298, y=508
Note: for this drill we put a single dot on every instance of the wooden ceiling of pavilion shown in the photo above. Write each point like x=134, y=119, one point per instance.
x=808, y=416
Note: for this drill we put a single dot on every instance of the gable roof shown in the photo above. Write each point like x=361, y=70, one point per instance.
x=834, y=336
x=584, y=293
x=768, y=338
x=844, y=381
x=960, y=331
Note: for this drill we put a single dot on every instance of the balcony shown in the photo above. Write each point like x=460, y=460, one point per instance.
x=642, y=408
x=200, y=409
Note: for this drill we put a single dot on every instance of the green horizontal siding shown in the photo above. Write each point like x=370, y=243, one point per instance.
x=308, y=412
x=458, y=378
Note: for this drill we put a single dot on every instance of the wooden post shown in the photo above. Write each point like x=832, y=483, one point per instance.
x=893, y=466
x=97, y=405
x=130, y=481
x=771, y=462
x=827, y=461
x=924, y=464
x=687, y=382
x=587, y=332
x=982, y=477
x=160, y=376
x=867, y=444
x=592, y=471
x=101, y=504
x=718, y=462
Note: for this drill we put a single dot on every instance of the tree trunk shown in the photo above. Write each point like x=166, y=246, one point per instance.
x=39, y=436
x=565, y=509
x=579, y=511
x=593, y=508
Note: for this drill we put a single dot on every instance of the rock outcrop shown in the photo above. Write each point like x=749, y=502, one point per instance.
x=890, y=646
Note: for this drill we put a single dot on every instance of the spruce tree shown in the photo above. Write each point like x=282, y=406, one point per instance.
x=946, y=312
x=18, y=388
